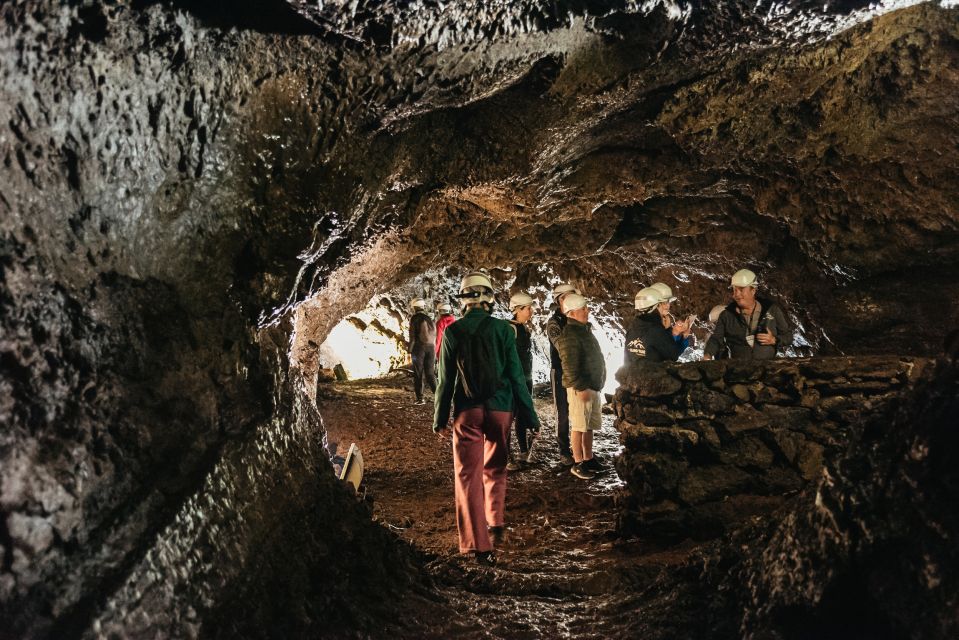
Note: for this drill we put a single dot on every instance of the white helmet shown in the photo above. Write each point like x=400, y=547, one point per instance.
x=664, y=290
x=744, y=278
x=476, y=287
x=417, y=303
x=648, y=298
x=573, y=301
x=444, y=307
x=715, y=311
x=520, y=299
x=564, y=287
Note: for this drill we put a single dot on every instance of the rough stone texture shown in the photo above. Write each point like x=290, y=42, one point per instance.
x=708, y=444
x=867, y=550
x=177, y=175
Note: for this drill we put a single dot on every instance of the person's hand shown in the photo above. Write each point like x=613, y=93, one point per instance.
x=681, y=328
x=766, y=338
x=706, y=356
x=444, y=434
x=584, y=395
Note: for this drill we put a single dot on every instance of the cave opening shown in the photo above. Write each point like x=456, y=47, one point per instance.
x=205, y=208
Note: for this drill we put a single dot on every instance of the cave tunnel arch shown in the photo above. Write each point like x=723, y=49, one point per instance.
x=190, y=196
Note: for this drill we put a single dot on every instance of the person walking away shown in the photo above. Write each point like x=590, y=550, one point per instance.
x=521, y=306
x=554, y=329
x=654, y=336
x=750, y=327
x=481, y=376
x=584, y=374
x=422, y=349
x=445, y=319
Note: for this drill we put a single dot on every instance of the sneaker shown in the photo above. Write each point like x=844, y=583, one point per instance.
x=566, y=460
x=594, y=465
x=516, y=465
x=485, y=558
x=528, y=457
x=582, y=472
x=497, y=535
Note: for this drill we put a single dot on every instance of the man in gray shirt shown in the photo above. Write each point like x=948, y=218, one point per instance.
x=751, y=327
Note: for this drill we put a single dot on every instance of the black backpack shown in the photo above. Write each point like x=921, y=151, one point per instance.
x=475, y=362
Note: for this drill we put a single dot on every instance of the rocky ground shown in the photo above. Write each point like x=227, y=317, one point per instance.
x=561, y=563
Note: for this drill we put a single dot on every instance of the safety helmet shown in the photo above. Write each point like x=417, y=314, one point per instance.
x=648, y=298
x=573, y=301
x=444, y=307
x=665, y=290
x=476, y=287
x=715, y=311
x=744, y=278
x=417, y=303
x=562, y=288
x=520, y=299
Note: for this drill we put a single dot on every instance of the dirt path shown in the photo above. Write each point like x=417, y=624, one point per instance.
x=561, y=562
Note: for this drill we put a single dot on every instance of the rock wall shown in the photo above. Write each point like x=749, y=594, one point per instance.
x=707, y=444
x=867, y=550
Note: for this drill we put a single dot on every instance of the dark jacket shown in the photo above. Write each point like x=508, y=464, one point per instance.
x=422, y=331
x=512, y=392
x=554, y=329
x=583, y=363
x=648, y=338
x=732, y=329
x=524, y=348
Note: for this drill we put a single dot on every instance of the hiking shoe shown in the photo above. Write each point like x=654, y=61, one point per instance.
x=566, y=460
x=516, y=465
x=594, y=465
x=582, y=472
x=497, y=535
x=485, y=558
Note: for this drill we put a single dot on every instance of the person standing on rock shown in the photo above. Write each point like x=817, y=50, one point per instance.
x=446, y=318
x=422, y=349
x=521, y=305
x=654, y=336
x=554, y=329
x=584, y=374
x=481, y=375
x=750, y=327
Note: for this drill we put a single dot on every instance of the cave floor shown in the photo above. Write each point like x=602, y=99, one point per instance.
x=561, y=571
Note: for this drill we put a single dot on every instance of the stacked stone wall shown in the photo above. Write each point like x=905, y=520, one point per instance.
x=708, y=444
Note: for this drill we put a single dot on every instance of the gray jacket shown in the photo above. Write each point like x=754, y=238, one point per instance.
x=732, y=329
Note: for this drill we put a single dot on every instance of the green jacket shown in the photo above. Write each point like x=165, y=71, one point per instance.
x=583, y=363
x=512, y=392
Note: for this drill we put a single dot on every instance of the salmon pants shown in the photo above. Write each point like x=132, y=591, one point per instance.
x=480, y=442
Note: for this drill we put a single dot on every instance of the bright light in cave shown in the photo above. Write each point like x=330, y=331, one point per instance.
x=611, y=340
x=365, y=344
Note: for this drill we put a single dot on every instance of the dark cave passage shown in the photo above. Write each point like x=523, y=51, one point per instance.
x=205, y=207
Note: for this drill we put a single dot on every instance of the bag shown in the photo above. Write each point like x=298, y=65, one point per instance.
x=475, y=362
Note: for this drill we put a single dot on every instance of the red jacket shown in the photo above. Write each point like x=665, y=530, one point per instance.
x=445, y=320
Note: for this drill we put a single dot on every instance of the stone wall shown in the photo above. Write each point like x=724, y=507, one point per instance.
x=707, y=444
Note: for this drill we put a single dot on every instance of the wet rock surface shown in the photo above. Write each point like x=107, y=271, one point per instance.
x=176, y=176
x=865, y=551
x=707, y=445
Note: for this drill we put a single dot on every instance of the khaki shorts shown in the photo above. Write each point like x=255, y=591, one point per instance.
x=584, y=416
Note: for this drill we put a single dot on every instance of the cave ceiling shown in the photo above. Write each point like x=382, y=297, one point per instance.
x=266, y=154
